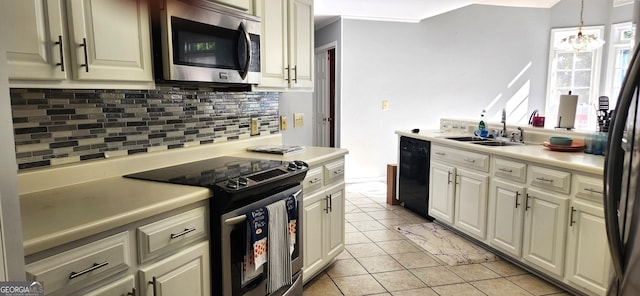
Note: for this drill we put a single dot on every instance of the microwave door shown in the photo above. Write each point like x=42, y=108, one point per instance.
x=244, y=51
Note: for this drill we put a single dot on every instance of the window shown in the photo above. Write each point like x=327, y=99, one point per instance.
x=578, y=72
x=620, y=50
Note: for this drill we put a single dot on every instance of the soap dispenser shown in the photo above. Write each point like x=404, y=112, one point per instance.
x=482, y=127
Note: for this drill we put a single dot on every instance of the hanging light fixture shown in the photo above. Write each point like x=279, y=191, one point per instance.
x=581, y=42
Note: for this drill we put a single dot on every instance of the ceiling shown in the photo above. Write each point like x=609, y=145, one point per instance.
x=404, y=10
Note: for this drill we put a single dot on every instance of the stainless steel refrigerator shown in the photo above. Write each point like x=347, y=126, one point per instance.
x=622, y=180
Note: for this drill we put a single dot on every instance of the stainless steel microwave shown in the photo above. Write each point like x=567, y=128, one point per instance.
x=199, y=41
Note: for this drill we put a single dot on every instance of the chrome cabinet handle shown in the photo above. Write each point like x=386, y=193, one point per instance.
x=470, y=160
x=448, y=178
x=330, y=198
x=95, y=266
x=456, y=179
x=517, y=195
x=571, y=222
x=593, y=190
x=338, y=172
x=61, y=63
x=544, y=179
x=86, y=56
x=505, y=170
x=132, y=293
x=326, y=204
x=295, y=74
x=526, y=203
x=182, y=233
x=316, y=180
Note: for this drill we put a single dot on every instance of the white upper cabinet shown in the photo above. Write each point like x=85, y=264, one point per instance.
x=287, y=44
x=36, y=43
x=86, y=40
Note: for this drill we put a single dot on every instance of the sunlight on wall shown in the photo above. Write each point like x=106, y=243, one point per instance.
x=517, y=106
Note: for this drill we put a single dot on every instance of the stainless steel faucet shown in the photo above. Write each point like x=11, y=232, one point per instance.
x=504, y=122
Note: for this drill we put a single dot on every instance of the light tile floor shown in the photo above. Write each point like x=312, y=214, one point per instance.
x=379, y=261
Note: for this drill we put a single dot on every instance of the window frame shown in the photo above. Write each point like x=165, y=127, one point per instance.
x=615, y=44
x=552, y=99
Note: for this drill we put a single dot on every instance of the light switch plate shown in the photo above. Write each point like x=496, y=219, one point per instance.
x=298, y=119
x=283, y=123
x=254, y=126
x=385, y=105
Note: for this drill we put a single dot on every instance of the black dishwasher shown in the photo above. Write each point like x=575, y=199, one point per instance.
x=413, y=176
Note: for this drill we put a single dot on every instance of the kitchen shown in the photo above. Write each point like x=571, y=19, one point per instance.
x=370, y=129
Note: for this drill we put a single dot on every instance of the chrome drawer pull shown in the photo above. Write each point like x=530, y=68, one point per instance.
x=440, y=153
x=316, y=180
x=544, y=179
x=90, y=269
x=593, y=190
x=184, y=232
x=505, y=170
x=469, y=160
x=338, y=172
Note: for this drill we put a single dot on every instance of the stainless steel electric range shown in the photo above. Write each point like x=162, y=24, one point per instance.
x=240, y=185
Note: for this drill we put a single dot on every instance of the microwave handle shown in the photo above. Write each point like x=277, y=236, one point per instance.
x=247, y=60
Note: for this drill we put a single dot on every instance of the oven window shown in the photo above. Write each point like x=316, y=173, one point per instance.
x=202, y=45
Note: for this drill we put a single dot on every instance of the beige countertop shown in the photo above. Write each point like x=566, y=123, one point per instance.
x=60, y=215
x=578, y=161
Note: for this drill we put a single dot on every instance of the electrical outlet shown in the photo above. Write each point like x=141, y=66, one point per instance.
x=254, y=126
x=283, y=123
x=385, y=105
x=298, y=119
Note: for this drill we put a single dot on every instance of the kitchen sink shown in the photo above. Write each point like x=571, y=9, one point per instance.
x=469, y=139
x=497, y=143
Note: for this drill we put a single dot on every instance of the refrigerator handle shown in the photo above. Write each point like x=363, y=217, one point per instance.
x=614, y=159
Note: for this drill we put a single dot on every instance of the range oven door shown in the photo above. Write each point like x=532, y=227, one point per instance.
x=233, y=242
x=204, y=42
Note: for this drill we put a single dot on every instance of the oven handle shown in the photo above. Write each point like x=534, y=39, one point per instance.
x=239, y=219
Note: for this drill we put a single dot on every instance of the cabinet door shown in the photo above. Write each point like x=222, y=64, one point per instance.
x=301, y=44
x=123, y=287
x=315, y=207
x=110, y=40
x=36, y=42
x=471, y=202
x=185, y=273
x=545, y=230
x=441, y=189
x=506, y=216
x=335, y=221
x=588, y=258
x=274, y=48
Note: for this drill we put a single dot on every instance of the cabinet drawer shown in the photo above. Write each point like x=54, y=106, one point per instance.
x=473, y=160
x=160, y=237
x=550, y=179
x=82, y=266
x=334, y=171
x=508, y=169
x=313, y=181
x=589, y=188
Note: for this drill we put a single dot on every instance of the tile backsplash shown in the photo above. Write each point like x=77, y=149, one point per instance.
x=60, y=126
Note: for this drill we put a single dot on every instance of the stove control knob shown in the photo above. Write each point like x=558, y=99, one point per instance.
x=292, y=166
x=233, y=184
x=243, y=181
x=300, y=164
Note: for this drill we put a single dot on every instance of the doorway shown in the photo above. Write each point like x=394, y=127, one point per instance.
x=325, y=96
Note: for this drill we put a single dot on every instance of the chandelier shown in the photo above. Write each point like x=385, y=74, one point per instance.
x=581, y=42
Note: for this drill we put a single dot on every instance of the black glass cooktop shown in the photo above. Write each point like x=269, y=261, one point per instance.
x=208, y=173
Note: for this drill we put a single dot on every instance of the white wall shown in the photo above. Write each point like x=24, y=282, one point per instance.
x=10, y=221
x=452, y=65
x=297, y=102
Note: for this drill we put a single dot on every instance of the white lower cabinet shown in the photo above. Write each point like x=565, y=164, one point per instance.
x=323, y=233
x=458, y=189
x=184, y=273
x=323, y=216
x=441, y=192
x=506, y=216
x=545, y=230
x=173, y=259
